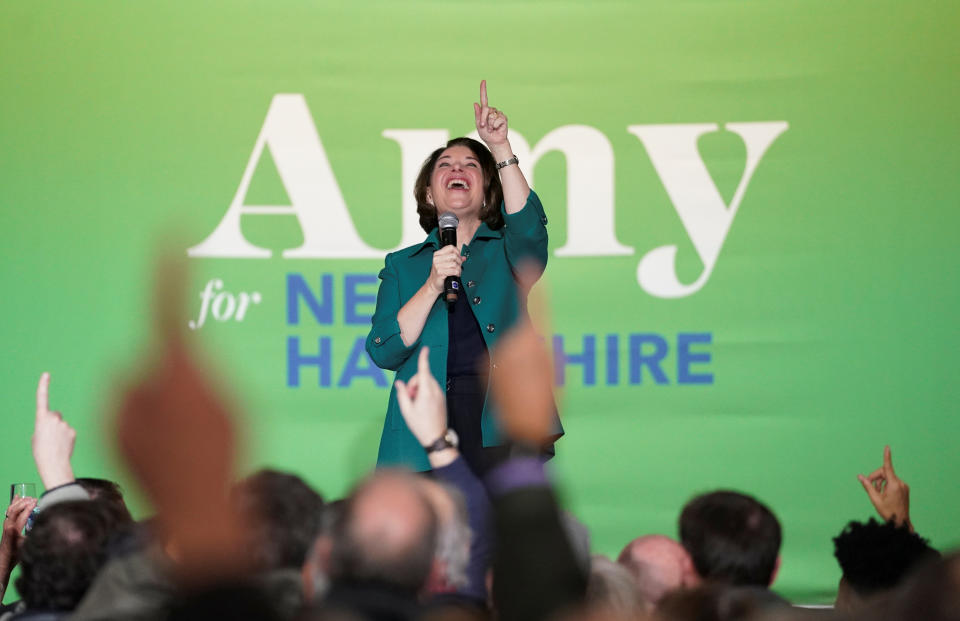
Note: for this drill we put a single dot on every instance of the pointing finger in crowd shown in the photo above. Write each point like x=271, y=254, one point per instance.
x=169, y=298
x=43, y=394
x=423, y=362
x=887, y=463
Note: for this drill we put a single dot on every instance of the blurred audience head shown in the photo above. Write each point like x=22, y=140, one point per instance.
x=453, y=536
x=579, y=537
x=875, y=558
x=111, y=494
x=612, y=589
x=932, y=593
x=65, y=550
x=385, y=534
x=315, y=572
x=719, y=602
x=732, y=538
x=285, y=516
x=658, y=565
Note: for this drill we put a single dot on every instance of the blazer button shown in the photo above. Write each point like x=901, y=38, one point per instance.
x=476, y=300
x=377, y=340
x=471, y=283
x=491, y=327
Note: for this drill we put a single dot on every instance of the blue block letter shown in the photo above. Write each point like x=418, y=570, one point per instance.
x=355, y=369
x=588, y=359
x=295, y=360
x=351, y=298
x=685, y=358
x=613, y=359
x=638, y=359
x=298, y=288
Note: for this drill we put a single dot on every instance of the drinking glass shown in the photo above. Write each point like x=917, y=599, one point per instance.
x=23, y=490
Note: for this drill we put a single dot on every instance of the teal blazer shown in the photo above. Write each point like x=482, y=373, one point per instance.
x=489, y=285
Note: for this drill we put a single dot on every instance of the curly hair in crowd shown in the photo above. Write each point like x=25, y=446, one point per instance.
x=876, y=556
x=66, y=548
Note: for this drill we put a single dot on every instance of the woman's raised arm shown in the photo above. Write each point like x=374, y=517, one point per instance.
x=492, y=128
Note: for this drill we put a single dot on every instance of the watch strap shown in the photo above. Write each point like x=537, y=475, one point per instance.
x=447, y=440
x=505, y=163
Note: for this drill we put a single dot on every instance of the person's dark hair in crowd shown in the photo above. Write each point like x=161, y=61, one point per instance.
x=111, y=495
x=875, y=557
x=66, y=549
x=285, y=516
x=127, y=535
x=732, y=538
x=385, y=535
x=719, y=602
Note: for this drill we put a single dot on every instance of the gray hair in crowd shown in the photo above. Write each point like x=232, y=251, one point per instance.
x=453, y=539
x=611, y=588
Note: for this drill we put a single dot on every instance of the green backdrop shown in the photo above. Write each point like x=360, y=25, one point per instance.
x=777, y=354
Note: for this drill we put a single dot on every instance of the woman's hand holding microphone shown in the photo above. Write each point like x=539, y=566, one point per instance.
x=446, y=262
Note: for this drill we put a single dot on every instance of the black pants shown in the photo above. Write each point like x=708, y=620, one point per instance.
x=465, y=397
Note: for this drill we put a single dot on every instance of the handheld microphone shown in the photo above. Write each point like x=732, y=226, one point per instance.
x=448, y=237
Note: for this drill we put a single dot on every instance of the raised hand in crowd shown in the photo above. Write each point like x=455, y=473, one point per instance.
x=176, y=435
x=536, y=572
x=424, y=407
x=522, y=378
x=888, y=493
x=14, y=522
x=53, y=440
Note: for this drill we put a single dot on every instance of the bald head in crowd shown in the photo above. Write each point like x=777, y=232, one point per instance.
x=385, y=535
x=659, y=565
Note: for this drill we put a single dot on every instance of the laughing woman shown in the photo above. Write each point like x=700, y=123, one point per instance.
x=500, y=223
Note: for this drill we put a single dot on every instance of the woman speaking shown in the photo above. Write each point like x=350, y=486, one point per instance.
x=499, y=223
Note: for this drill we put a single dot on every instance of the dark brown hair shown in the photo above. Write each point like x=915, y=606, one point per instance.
x=492, y=191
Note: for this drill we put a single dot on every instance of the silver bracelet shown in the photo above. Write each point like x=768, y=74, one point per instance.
x=505, y=163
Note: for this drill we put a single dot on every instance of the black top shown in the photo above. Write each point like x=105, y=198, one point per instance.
x=467, y=352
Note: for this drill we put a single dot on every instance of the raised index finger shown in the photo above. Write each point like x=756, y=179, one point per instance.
x=483, y=93
x=169, y=291
x=887, y=461
x=423, y=363
x=43, y=393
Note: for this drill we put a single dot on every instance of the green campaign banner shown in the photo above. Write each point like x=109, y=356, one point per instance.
x=753, y=206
